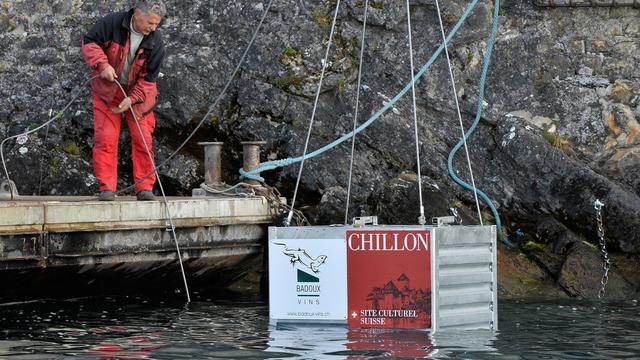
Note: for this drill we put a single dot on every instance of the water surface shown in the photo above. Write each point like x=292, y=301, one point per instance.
x=237, y=327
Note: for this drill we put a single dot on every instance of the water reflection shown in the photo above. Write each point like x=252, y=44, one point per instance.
x=134, y=328
x=338, y=342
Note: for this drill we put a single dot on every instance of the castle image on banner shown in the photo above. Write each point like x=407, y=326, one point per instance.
x=400, y=295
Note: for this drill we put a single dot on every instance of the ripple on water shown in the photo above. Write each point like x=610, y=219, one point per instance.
x=236, y=328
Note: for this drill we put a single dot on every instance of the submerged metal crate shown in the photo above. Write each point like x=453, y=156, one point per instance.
x=462, y=265
x=465, y=267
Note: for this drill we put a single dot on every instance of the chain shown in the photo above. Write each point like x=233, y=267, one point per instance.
x=598, y=205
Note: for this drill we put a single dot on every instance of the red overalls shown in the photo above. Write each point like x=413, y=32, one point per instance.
x=107, y=43
x=105, y=148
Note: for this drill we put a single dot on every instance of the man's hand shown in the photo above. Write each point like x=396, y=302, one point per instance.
x=109, y=74
x=124, y=106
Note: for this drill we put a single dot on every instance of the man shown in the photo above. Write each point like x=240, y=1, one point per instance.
x=125, y=47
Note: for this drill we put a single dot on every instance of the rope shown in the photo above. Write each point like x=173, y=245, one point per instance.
x=455, y=97
x=58, y=115
x=313, y=113
x=288, y=161
x=421, y=219
x=355, y=115
x=210, y=110
x=214, y=105
x=480, y=105
x=164, y=197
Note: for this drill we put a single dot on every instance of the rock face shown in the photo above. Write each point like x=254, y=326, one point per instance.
x=559, y=130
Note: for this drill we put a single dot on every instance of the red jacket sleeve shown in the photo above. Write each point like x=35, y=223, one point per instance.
x=94, y=41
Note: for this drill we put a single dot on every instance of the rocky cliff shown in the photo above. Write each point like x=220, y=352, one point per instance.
x=560, y=127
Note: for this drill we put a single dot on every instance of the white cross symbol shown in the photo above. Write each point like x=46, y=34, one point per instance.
x=354, y=314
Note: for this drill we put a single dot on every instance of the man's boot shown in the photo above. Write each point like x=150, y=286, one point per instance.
x=145, y=195
x=107, y=195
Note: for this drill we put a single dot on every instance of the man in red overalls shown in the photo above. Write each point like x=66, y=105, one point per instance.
x=125, y=47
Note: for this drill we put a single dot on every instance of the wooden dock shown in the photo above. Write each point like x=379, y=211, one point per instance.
x=50, y=243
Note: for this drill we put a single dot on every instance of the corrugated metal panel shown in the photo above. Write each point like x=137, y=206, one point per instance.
x=448, y=298
x=466, y=255
x=465, y=272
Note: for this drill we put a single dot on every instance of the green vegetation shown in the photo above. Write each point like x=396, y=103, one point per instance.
x=288, y=80
x=8, y=22
x=373, y=4
x=71, y=148
x=321, y=19
x=533, y=246
x=487, y=217
x=592, y=246
x=53, y=165
x=291, y=52
x=340, y=85
x=449, y=19
x=322, y=133
x=558, y=141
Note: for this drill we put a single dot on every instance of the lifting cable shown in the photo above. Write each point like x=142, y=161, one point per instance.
x=215, y=103
x=157, y=167
x=57, y=116
x=479, y=108
x=421, y=220
x=324, y=64
x=164, y=197
x=455, y=97
x=271, y=165
x=355, y=115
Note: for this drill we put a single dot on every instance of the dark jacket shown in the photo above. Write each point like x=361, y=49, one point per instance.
x=107, y=43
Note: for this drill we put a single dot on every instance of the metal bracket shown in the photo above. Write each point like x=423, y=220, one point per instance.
x=456, y=215
x=8, y=190
x=443, y=220
x=365, y=220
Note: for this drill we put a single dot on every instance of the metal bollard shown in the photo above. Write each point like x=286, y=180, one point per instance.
x=8, y=191
x=251, y=157
x=212, y=163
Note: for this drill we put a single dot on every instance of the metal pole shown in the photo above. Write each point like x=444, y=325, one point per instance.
x=251, y=157
x=212, y=163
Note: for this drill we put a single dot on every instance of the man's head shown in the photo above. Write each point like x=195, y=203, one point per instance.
x=148, y=15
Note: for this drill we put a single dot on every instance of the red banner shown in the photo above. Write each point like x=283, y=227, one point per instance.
x=389, y=278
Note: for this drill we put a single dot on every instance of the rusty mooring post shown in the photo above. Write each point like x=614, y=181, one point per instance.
x=251, y=157
x=212, y=170
x=212, y=163
x=8, y=190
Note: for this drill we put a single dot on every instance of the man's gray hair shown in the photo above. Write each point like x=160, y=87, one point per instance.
x=152, y=7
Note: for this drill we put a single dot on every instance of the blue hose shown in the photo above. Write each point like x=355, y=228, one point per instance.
x=271, y=165
x=285, y=162
x=472, y=129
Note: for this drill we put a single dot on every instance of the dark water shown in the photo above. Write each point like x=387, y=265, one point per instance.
x=237, y=328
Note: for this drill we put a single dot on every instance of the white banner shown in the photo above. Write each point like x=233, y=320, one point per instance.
x=307, y=279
